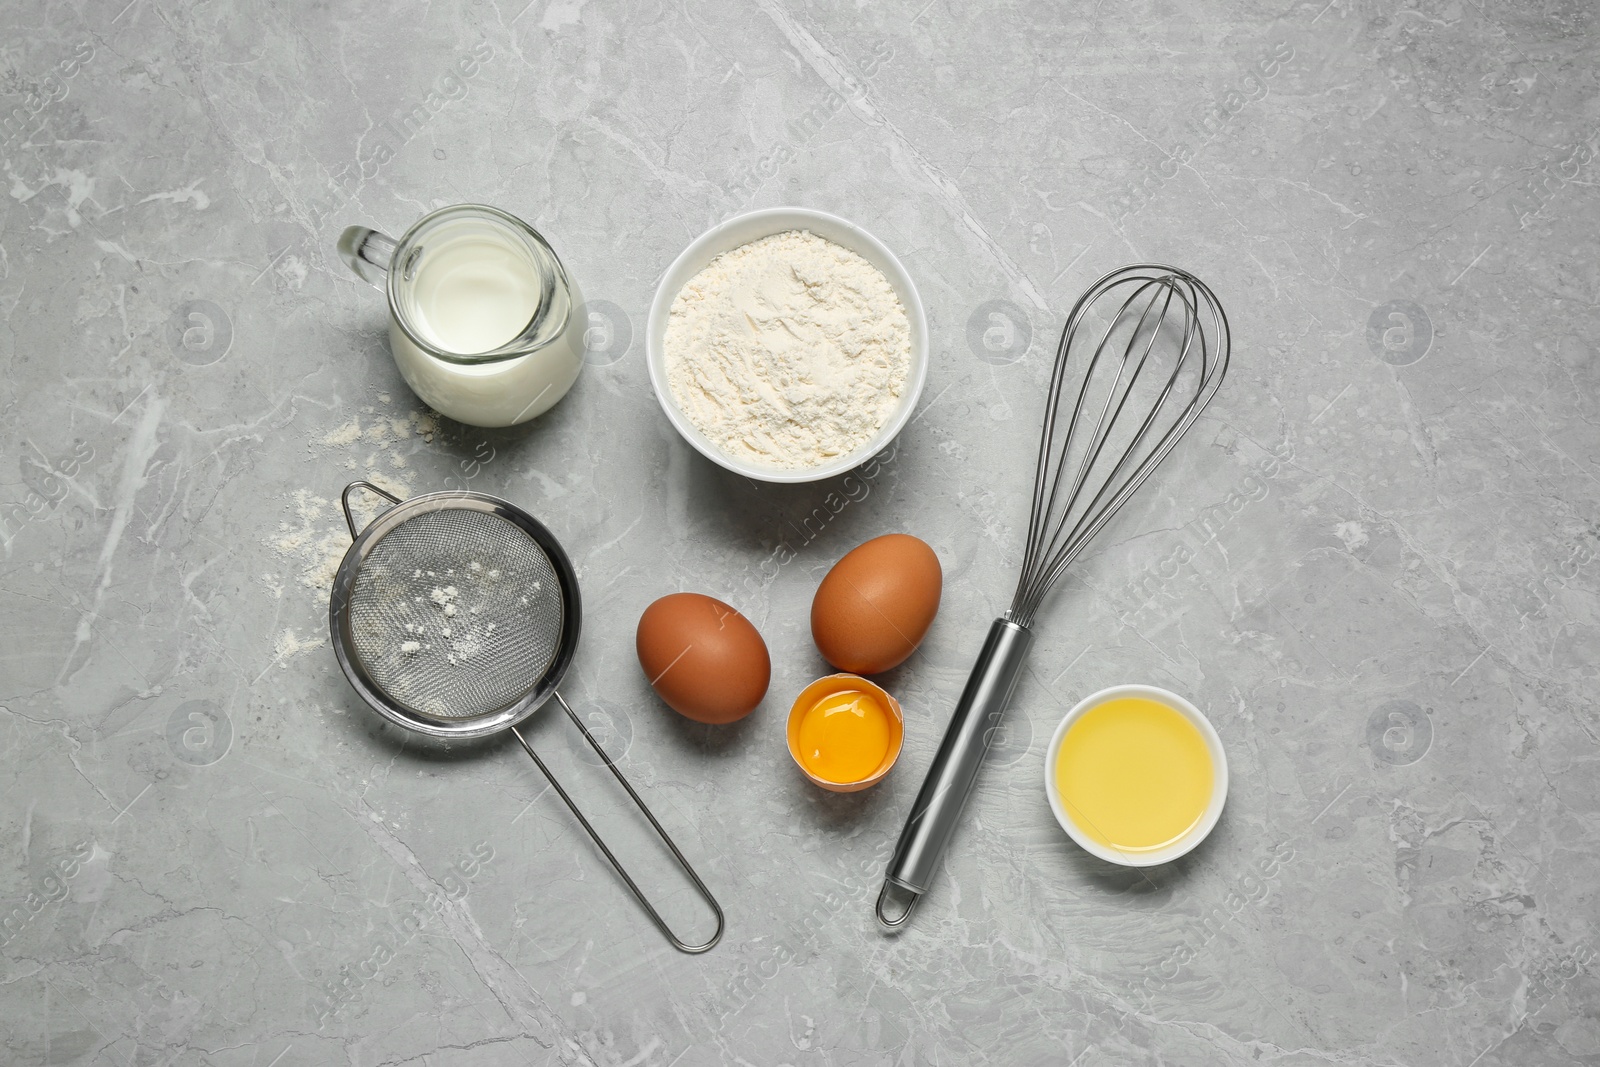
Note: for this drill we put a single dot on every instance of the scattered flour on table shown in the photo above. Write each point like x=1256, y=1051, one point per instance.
x=290, y=644
x=373, y=427
x=312, y=541
x=788, y=351
x=384, y=438
x=314, y=538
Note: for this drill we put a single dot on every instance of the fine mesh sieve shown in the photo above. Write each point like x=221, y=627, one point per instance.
x=456, y=615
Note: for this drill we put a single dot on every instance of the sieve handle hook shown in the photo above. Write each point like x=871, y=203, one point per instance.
x=638, y=894
x=344, y=502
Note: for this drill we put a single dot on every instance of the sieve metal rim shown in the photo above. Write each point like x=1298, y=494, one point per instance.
x=366, y=539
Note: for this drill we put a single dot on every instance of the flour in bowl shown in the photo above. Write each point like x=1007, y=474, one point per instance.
x=788, y=351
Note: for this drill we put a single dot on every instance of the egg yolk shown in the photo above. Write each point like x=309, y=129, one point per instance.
x=844, y=737
x=1134, y=774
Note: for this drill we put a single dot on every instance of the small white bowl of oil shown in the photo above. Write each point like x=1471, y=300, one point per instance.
x=1136, y=775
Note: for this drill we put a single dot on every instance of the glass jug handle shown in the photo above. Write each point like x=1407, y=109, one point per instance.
x=367, y=252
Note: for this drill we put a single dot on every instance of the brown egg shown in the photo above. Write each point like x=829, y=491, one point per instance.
x=703, y=658
x=876, y=604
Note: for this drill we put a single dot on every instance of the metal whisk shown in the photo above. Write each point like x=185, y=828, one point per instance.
x=1153, y=345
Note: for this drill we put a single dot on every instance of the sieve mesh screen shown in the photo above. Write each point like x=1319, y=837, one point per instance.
x=455, y=613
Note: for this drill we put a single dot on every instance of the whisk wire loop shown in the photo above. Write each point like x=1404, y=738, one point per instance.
x=1111, y=445
x=1080, y=534
x=1118, y=393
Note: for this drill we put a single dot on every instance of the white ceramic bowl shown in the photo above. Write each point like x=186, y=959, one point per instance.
x=1219, y=783
x=742, y=229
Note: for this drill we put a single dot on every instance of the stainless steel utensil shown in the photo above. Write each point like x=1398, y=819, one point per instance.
x=456, y=615
x=1158, y=361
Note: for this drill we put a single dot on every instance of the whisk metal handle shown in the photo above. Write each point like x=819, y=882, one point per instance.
x=633, y=887
x=955, y=767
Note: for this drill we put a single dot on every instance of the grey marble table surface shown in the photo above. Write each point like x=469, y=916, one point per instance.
x=1374, y=563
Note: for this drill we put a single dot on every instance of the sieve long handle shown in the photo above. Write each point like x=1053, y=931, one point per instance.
x=955, y=766
x=638, y=894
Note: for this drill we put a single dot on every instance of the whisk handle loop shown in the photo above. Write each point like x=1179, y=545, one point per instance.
x=955, y=767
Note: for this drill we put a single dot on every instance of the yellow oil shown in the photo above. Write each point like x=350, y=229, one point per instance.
x=1134, y=774
x=844, y=737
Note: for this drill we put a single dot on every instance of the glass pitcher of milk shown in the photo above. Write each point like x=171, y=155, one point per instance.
x=484, y=323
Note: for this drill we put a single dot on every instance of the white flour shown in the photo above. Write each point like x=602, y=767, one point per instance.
x=788, y=351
